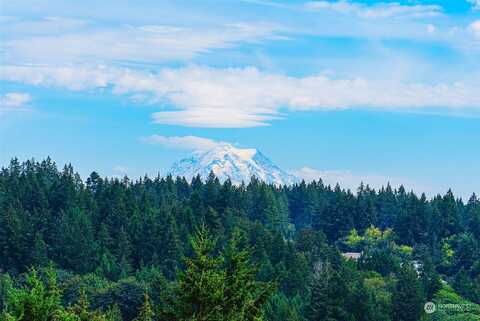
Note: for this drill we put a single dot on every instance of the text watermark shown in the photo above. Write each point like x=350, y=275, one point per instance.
x=431, y=307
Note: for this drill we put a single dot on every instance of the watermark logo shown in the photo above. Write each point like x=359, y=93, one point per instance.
x=429, y=307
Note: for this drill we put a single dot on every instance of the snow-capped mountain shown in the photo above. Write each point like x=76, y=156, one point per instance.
x=226, y=161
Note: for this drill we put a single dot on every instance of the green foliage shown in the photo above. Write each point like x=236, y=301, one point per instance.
x=126, y=294
x=379, y=296
x=40, y=300
x=36, y=300
x=452, y=307
x=146, y=312
x=407, y=296
x=280, y=308
x=113, y=241
x=219, y=287
x=201, y=286
x=330, y=295
x=81, y=312
x=353, y=239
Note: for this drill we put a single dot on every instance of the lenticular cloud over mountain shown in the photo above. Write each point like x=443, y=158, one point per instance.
x=229, y=162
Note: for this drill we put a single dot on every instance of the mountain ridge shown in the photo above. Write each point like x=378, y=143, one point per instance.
x=229, y=162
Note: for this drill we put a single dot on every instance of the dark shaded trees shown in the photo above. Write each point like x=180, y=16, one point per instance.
x=407, y=296
x=125, y=235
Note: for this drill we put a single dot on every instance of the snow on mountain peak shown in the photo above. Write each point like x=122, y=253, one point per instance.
x=227, y=161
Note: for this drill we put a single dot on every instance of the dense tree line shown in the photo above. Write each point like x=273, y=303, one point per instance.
x=164, y=248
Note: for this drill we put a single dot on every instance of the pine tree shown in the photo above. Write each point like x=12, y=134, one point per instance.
x=36, y=300
x=201, y=287
x=170, y=251
x=74, y=245
x=15, y=239
x=124, y=250
x=429, y=277
x=218, y=287
x=244, y=297
x=329, y=296
x=146, y=311
x=407, y=297
x=81, y=312
x=213, y=221
x=39, y=251
x=280, y=308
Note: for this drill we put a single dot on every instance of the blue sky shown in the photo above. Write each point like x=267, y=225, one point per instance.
x=348, y=91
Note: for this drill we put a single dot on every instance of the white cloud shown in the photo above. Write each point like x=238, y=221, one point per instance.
x=352, y=181
x=183, y=142
x=56, y=39
x=379, y=21
x=377, y=11
x=72, y=78
x=14, y=100
x=475, y=28
x=213, y=117
x=475, y=4
x=122, y=169
x=247, y=97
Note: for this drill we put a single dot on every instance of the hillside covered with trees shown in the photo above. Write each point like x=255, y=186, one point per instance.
x=167, y=249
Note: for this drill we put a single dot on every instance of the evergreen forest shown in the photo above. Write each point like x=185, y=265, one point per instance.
x=168, y=249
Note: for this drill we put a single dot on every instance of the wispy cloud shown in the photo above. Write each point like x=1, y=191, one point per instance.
x=349, y=180
x=57, y=39
x=380, y=10
x=380, y=20
x=475, y=28
x=194, y=143
x=247, y=97
x=14, y=101
x=121, y=169
x=475, y=4
x=377, y=11
x=49, y=25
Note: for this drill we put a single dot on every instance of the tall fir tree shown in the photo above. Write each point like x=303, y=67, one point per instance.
x=407, y=296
